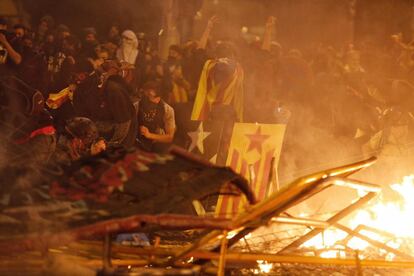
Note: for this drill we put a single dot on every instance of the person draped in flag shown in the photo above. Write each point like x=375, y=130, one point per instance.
x=221, y=86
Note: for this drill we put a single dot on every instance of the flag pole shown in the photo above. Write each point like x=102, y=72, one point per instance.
x=273, y=180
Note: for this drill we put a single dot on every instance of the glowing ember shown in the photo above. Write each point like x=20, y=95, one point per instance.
x=264, y=267
x=394, y=218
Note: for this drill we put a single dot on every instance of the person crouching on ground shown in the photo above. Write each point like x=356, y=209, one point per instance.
x=156, y=120
x=80, y=139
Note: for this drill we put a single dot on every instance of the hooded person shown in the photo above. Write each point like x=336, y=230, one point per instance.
x=80, y=139
x=128, y=54
x=128, y=50
x=220, y=89
x=103, y=96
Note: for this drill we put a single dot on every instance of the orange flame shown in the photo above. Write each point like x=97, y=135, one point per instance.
x=395, y=218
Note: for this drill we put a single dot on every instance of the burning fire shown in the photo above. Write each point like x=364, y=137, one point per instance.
x=264, y=267
x=391, y=223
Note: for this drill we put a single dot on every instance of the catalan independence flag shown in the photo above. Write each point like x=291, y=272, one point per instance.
x=252, y=148
x=179, y=94
x=55, y=100
x=204, y=139
x=221, y=83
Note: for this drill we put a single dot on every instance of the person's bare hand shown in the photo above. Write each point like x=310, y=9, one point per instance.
x=71, y=60
x=271, y=21
x=3, y=39
x=212, y=21
x=72, y=87
x=396, y=37
x=144, y=131
x=98, y=147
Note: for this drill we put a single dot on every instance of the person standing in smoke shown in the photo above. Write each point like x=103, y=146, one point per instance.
x=220, y=96
x=220, y=89
x=156, y=120
x=128, y=54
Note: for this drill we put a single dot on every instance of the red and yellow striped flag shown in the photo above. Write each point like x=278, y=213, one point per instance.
x=179, y=94
x=252, y=148
x=55, y=100
x=226, y=91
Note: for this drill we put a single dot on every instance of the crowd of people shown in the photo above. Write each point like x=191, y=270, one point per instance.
x=80, y=95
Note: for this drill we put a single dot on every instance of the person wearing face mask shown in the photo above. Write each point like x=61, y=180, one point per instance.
x=156, y=120
x=128, y=54
x=128, y=50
